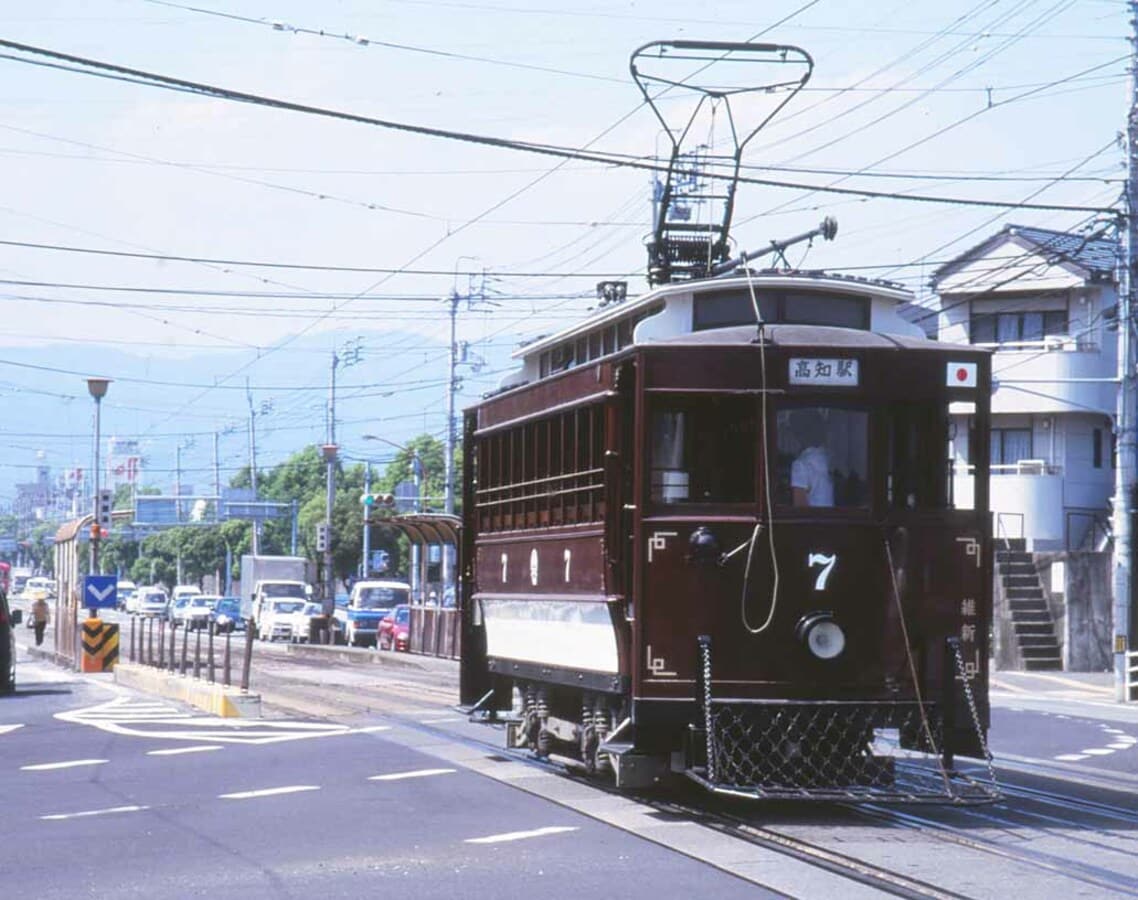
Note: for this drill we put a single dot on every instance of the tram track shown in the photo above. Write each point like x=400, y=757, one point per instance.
x=1118, y=883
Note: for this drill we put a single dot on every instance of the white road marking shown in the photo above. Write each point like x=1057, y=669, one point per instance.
x=8, y=729
x=1099, y=751
x=1071, y=757
x=419, y=773
x=521, y=835
x=269, y=792
x=175, y=751
x=93, y=812
x=126, y=716
x=1121, y=745
x=70, y=764
x=441, y=720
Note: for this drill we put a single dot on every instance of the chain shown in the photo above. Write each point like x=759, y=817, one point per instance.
x=705, y=661
x=975, y=714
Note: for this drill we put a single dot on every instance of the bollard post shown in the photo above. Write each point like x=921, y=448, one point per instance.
x=197, y=653
x=132, y=638
x=248, y=661
x=212, y=680
x=161, y=643
x=173, y=648
x=228, y=634
x=185, y=647
x=149, y=643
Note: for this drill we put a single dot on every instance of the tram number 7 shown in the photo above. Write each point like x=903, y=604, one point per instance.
x=827, y=564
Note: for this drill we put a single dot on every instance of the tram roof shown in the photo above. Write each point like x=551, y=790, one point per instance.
x=810, y=336
x=764, y=280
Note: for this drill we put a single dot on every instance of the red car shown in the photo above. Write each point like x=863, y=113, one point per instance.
x=395, y=629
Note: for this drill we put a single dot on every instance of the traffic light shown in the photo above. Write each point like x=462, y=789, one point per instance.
x=377, y=501
x=322, y=535
x=103, y=506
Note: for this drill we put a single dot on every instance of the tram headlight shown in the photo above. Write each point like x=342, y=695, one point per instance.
x=822, y=636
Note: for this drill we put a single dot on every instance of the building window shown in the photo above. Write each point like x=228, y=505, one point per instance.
x=1096, y=448
x=1017, y=327
x=1010, y=445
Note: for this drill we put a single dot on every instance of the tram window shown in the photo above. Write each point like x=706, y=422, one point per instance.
x=919, y=461
x=703, y=450
x=723, y=308
x=822, y=457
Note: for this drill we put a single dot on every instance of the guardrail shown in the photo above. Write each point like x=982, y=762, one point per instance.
x=154, y=642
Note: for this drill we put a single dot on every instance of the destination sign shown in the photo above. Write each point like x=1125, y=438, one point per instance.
x=824, y=372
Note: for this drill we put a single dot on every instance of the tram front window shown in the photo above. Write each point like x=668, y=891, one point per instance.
x=703, y=450
x=822, y=457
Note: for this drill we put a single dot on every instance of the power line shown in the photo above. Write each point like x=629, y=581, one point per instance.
x=166, y=82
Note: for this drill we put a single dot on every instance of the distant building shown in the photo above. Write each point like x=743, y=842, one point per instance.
x=1045, y=302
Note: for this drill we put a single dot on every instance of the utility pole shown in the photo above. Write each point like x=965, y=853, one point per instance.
x=365, y=564
x=330, y=492
x=1125, y=470
x=216, y=477
x=256, y=536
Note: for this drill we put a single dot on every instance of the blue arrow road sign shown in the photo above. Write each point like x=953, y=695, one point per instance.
x=99, y=591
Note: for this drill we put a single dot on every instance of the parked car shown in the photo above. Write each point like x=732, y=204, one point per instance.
x=302, y=619
x=395, y=629
x=8, y=619
x=226, y=615
x=177, y=610
x=151, y=601
x=39, y=586
x=185, y=590
x=276, y=619
x=200, y=606
x=369, y=602
x=123, y=591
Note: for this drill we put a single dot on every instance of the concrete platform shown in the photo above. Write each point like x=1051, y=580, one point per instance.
x=216, y=699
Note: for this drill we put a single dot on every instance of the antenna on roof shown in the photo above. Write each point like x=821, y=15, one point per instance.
x=701, y=179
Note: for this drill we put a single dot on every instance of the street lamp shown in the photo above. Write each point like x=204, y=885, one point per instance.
x=97, y=388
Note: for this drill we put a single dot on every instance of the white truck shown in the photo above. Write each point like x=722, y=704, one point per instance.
x=265, y=579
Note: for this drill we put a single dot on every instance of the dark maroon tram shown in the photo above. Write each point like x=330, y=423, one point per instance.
x=757, y=555
x=737, y=527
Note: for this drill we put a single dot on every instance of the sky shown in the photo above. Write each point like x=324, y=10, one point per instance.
x=1002, y=101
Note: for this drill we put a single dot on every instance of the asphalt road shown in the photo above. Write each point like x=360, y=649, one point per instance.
x=116, y=794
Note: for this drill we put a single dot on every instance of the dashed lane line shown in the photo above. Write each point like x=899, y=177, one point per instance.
x=56, y=817
x=68, y=764
x=418, y=773
x=521, y=835
x=178, y=751
x=269, y=792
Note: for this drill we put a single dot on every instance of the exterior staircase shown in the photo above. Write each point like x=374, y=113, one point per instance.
x=1031, y=617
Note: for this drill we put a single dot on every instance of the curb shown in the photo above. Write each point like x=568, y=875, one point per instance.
x=226, y=702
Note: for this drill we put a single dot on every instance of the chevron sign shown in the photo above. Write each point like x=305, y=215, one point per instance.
x=99, y=592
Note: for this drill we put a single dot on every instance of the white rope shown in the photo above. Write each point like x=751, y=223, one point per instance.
x=766, y=481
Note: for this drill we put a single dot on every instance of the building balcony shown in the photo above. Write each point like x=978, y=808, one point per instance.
x=1055, y=375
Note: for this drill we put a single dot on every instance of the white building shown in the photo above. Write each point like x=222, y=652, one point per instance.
x=1046, y=303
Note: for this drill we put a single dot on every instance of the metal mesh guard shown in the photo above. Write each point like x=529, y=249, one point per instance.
x=830, y=751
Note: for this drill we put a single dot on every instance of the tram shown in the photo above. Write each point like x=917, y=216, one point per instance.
x=737, y=529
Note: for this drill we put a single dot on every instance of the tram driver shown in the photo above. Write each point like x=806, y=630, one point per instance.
x=811, y=482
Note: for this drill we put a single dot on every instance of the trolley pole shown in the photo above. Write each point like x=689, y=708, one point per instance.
x=1125, y=470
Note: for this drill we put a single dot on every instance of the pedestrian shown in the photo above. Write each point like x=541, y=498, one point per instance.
x=40, y=615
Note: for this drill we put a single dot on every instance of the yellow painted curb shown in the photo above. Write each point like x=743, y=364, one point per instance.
x=216, y=699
